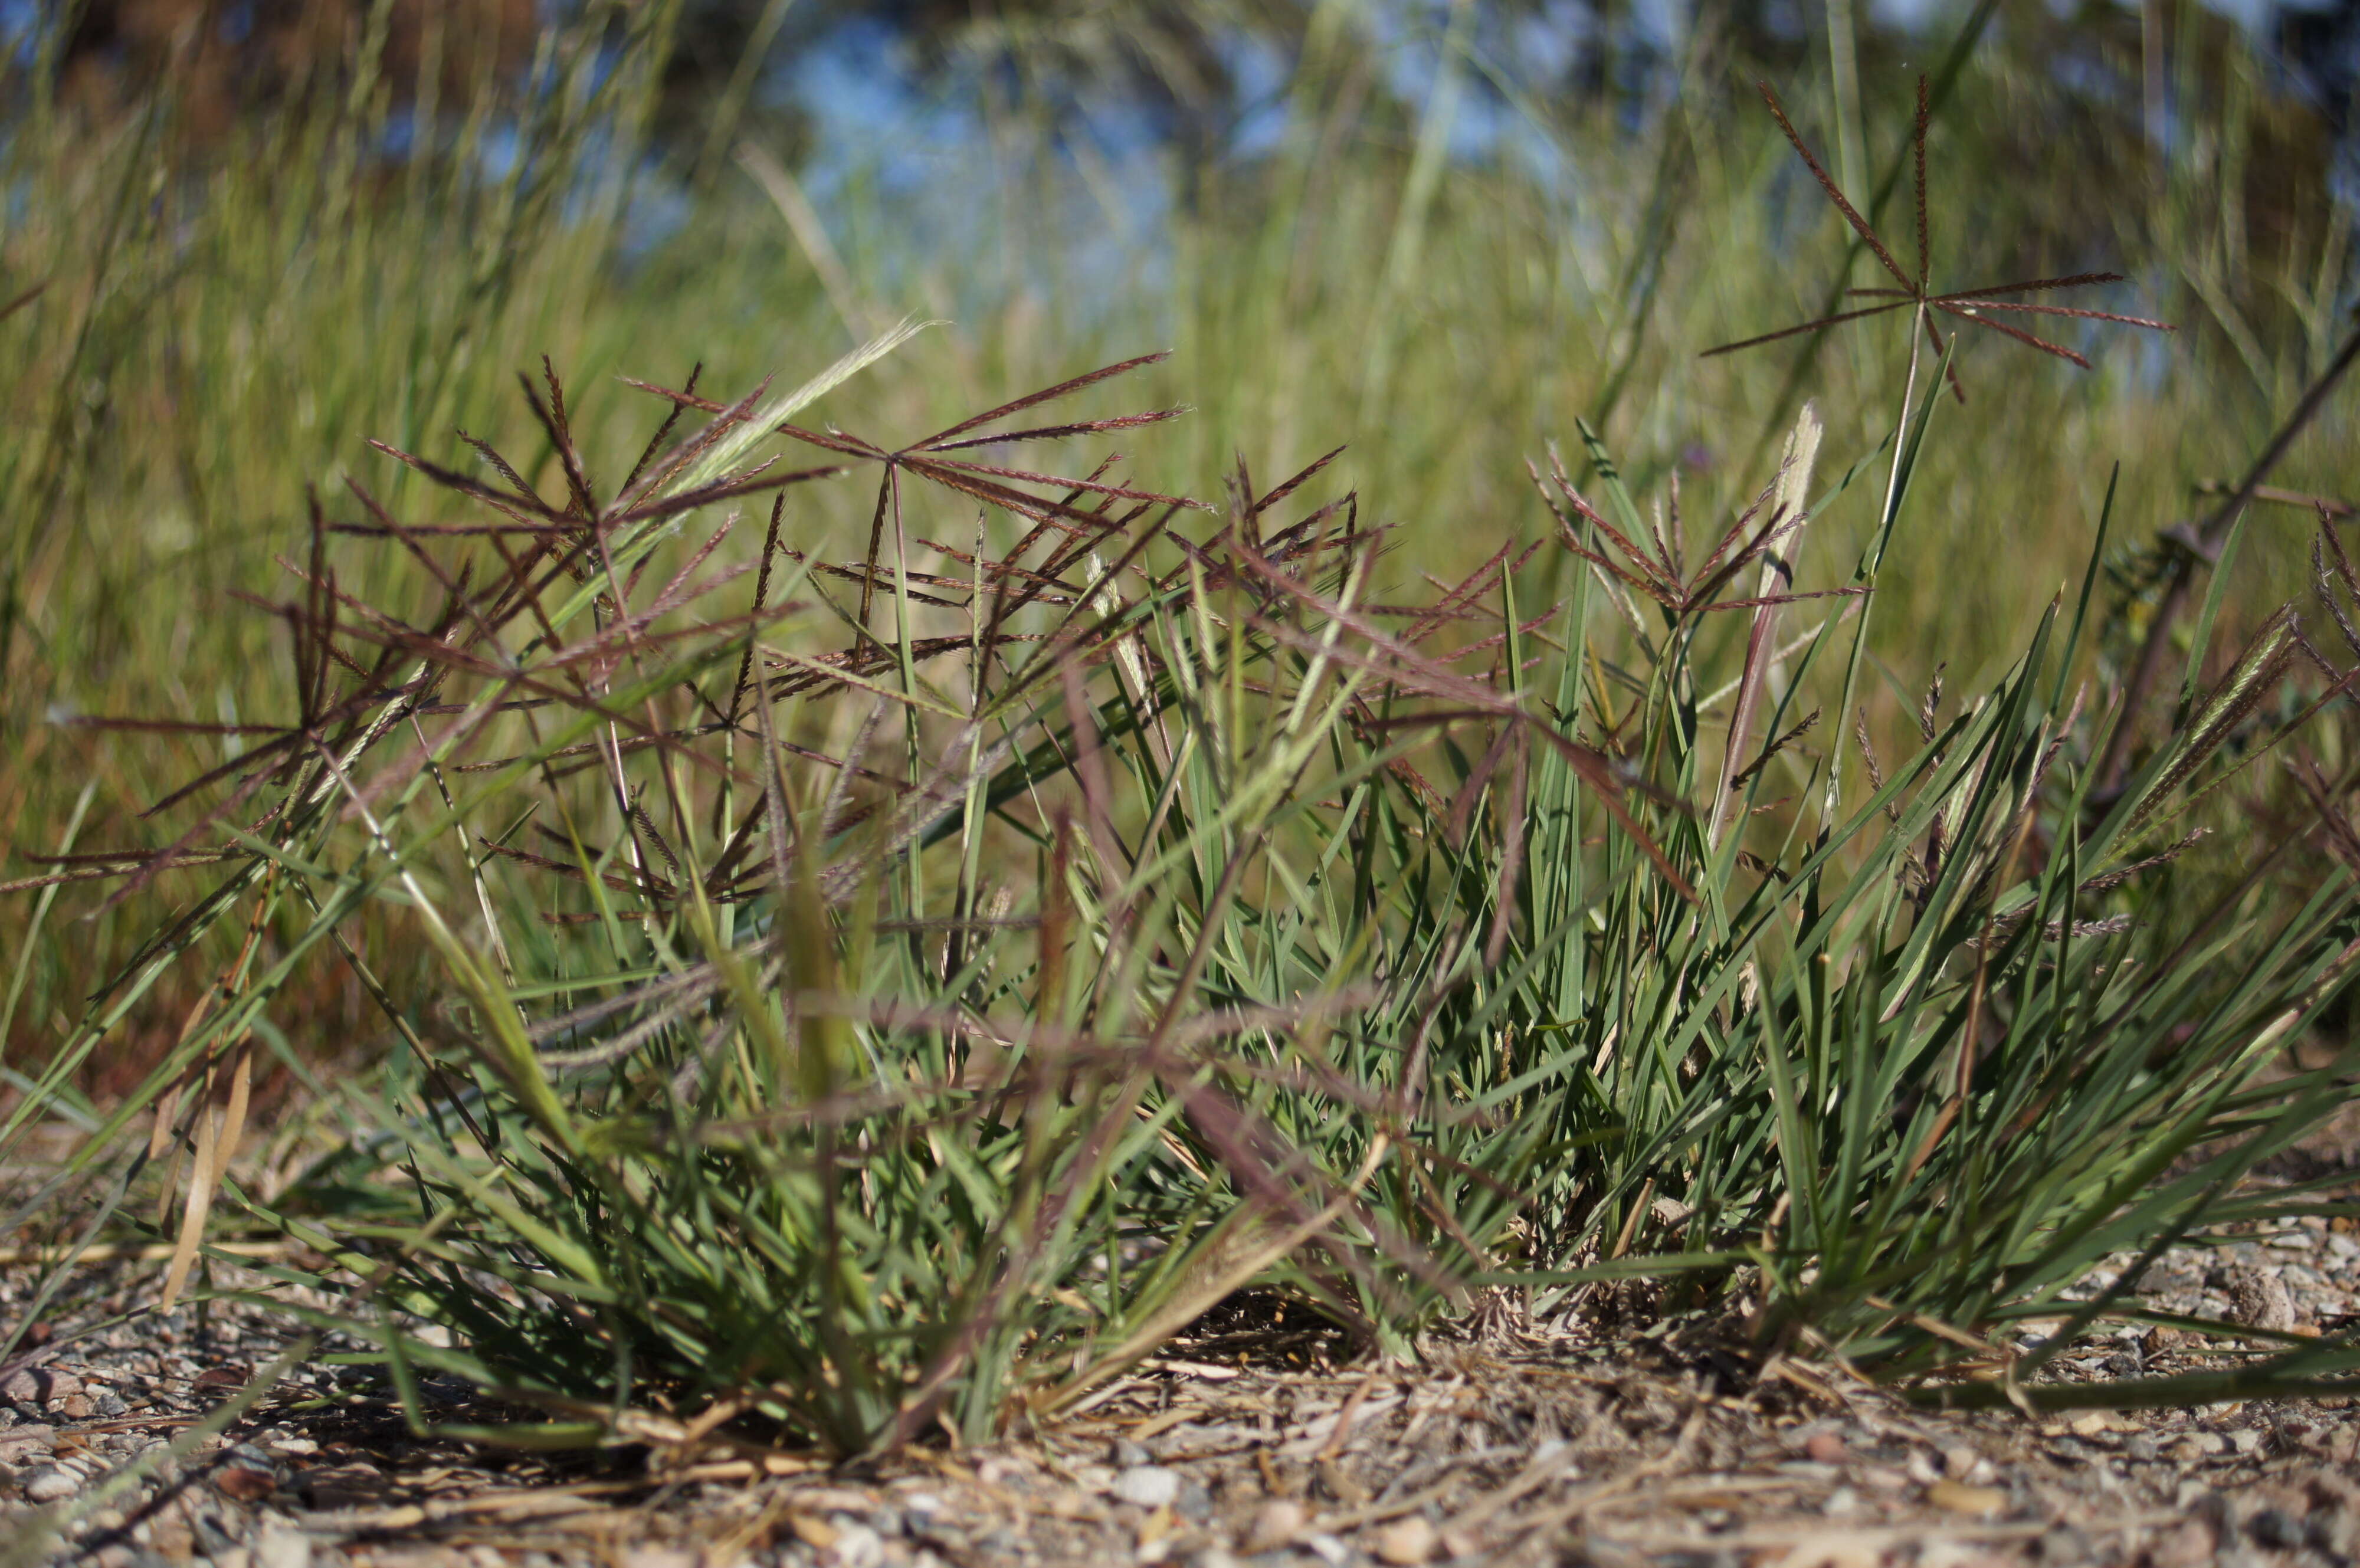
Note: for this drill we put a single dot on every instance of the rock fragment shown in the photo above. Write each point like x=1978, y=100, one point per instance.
x=1147, y=1486
x=245, y=1483
x=2259, y=1298
x=1958, y=1498
x=1406, y=1541
x=27, y=1443
x=50, y=1485
x=1274, y=1527
x=857, y=1546
x=658, y=1557
x=282, y=1546
x=39, y=1385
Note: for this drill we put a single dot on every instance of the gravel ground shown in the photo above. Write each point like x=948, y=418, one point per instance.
x=1514, y=1443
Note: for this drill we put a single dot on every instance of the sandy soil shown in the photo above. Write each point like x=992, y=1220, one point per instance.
x=1591, y=1438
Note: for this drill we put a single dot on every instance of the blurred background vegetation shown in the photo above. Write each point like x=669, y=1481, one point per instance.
x=1443, y=232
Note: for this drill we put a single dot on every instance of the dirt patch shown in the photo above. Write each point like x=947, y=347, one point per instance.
x=1515, y=1443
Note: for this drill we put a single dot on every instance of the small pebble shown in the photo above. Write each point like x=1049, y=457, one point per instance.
x=244, y=1483
x=39, y=1385
x=857, y=1546
x=1147, y=1486
x=282, y=1546
x=810, y=1528
x=1954, y=1496
x=1407, y=1541
x=2192, y=1545
x=1826, y=1448
x=1275, y=1524
x=2259, y=1299
x=50, y=1485
x=657, y=1557
x=26, y=1445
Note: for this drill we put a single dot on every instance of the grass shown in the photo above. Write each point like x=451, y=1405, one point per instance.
x=865, y=935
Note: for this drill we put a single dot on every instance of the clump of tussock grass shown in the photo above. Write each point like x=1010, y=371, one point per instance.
x=210, y=343
x=892, y=995
x=905, y=1000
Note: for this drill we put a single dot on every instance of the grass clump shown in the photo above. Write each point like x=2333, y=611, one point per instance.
x=903, y=1001
x=227, y=311
x=883, y=996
